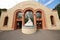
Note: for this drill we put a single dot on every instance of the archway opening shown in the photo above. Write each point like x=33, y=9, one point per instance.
x=39, y=20
x=18, y=20
x=29, y=14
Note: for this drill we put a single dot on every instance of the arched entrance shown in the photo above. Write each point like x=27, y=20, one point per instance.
x=40, y=19
x=28, y=14
x=17, y=20
x=21, y=17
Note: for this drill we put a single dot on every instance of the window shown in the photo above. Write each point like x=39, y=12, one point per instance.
x=19, y=14
x=38, y=14
x=52, y=20
x=28, y=14
x=6, y=21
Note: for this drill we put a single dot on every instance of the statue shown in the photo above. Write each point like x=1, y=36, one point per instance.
x=28, y=28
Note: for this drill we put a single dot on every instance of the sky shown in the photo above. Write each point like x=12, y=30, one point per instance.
x=10, y=3
x=49, y=3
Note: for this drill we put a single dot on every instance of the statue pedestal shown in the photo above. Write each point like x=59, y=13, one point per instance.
x=28, y=30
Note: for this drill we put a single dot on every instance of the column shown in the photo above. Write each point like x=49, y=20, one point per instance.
x=34, y=20
x=23, y=19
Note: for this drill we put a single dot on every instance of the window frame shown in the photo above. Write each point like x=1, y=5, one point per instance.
x=5, y=21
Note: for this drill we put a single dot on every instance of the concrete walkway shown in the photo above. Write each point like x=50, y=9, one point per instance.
x=39, y=35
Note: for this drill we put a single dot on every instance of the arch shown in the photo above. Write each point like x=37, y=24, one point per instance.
x=5, y=21
x=52, y=20
x=30, y=12
x=14, y=25
x=27, y=9
x=16, y=12
x=38, y=14
x=19, y=14
x=40, y=22
x=40, y=10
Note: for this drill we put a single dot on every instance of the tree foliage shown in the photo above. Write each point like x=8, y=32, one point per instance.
x=58, y=9
x=2, y=10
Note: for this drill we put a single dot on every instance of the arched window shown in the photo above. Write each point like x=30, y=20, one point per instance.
x=19, y=14
x=38, y=14
x=52, y=20
x=6, y=20
x=28, y=14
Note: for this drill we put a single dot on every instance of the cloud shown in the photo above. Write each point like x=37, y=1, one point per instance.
x=49, y=2
x=9, y=3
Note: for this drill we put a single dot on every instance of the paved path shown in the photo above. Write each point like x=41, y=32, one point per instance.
x=39, y=35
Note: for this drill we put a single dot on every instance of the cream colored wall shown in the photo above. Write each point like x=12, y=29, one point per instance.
x=56, y=20
x=59, y=19
x=55, y=13
x=59, y=23
x=34, y=5
x=9, y=25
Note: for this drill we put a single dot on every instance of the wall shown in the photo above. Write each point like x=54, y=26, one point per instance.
x=56, y=20
x=34, y=5
x=9, y=25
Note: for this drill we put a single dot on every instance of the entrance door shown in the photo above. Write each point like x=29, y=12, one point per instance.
x=18, y=20
x=39, y=24
x=19, y=25
x=40, y=20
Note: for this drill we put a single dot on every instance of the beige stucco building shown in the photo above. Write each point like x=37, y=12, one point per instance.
x=42, y=17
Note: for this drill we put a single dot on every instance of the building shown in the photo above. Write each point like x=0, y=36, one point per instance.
x=41, y=16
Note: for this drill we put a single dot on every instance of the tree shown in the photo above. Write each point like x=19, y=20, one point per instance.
x=2, y=10
x=58, y=9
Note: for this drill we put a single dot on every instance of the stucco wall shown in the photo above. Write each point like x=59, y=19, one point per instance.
x=56, y=20
x=9, y=25
x=59, y=22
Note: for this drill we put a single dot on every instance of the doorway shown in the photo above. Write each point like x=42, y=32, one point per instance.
x=39, y=24
x=19, y=25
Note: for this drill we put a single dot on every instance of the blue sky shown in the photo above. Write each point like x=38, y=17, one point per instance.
x=49, y=3
x=10, y=3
